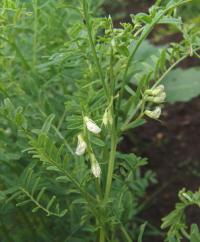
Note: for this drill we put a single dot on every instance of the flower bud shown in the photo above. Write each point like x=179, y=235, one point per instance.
x=95, y=167
x=155, y=114
x=107, y=118
x=156, y=91
x=160, y=98
x=92, y=126
x=81, y=146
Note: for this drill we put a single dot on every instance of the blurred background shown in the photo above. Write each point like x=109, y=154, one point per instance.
x=171, y=145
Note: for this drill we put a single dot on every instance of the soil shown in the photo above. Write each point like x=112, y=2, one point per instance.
x=171, y=145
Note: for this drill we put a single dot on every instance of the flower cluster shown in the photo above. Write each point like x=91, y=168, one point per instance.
x=82, y=145
x=156, y=95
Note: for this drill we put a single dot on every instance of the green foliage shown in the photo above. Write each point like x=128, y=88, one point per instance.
x=175, y=221
x=66, y=75
x=182, y=85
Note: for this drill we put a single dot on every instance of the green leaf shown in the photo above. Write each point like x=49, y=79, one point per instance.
x=40, y=194
x=142, y=228
x=52, y=168
x=63, y=179
x=47, y=124
x=34, y=210
x=136, y=124
x=63, y=212
x=195, y=233
x=132, y=160
x=51, y=202
x=97, y=141
x=182, y=85
x=2, y=196
x=23, y=203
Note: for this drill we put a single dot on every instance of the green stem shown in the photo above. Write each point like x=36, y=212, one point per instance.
x=61, y=120
x=102, y=235
x=111, y=162
x=98, y=187
x=185, y=233
x=126, y=235
x=139, y=42
x=127, y=123
x=48, y=212
x=96, y=60
x=35, y=7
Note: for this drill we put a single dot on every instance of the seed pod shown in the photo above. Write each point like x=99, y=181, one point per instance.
x=91, y=125
x=81, y=146
x=155, y=114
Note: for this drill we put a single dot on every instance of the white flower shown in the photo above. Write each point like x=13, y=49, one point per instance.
x=81, y=146
x=155, y=114
x=92, y=126
x=96, y=169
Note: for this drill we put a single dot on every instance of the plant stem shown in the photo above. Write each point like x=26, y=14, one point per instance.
x=111, y=161
x=139, y=42
x=126, y=123
x=35, y=8
x=143, y=36
x=102, y=235
x=126, y=235
x=87, y=21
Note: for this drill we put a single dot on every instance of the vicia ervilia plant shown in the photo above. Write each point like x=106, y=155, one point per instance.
x=74, y=104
